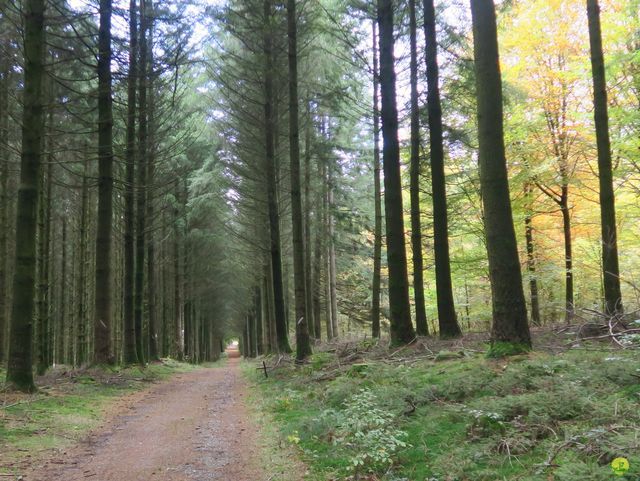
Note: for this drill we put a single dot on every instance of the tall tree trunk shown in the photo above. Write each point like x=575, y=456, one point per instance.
x=568, y=254
x=414, y=174
x=509, y=308
x=61, y=327
x=327, y=262
x=303, y=345
x=4, y=200
x=81, y=349
x=272, y=188
x=151, y=166
x=447, y=319
x=531, y=258
x=165, y=289
x=333, y=297
x=318, y=251
x=610, y=267
x=42, y=253
x=257, y=305
x=141, y=187
x=272, y=343
x=400, y=310
x=19, y=369
x=314, y=324
x=177, y=285
x=130, y=354
x=103, y=352
x=377, y=194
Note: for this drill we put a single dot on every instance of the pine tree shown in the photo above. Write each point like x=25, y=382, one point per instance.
x=610, y=267
x=508, y=303
x=103, y=353
x=400, y=311
x=19, y=369
x=447, y=319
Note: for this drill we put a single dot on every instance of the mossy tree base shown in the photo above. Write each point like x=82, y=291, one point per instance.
x=499, y=349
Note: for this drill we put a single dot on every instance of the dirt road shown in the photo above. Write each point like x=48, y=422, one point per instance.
x=193, y=428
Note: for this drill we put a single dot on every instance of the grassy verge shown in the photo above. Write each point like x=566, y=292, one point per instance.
x=460, y=416
x=67, y=405
x=279, y=459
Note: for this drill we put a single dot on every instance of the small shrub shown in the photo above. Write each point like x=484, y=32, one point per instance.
x=320, y=360
x=367, y=432
x=485, y=424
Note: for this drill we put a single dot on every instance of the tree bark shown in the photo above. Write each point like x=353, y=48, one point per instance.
x=4, y=201
x=327, y=263
x=103, y=352
x=314, y=324
x=568, y=254
x=42, y=309
x=447, y=318
x=400, y=310
x=333, y=296
x=509, y=308
x=610, y=265
x=62, y=319
x=178, y=350
x=531, y=258
x=377, y=193
x=19, y=369
x=130, y=355
x=414, y=175
x=318, y=251
x=141, y=188
x=272, y=188
x=151, y=169
x=81, y=349
x=303, y=344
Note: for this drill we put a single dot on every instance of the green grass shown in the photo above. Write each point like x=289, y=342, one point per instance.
x=66, y=407
x=531, y=417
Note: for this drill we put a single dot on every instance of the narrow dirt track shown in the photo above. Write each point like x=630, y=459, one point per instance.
x=194, y=427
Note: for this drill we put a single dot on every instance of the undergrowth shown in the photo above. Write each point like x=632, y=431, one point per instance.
x=536, y=416
x=66, y=406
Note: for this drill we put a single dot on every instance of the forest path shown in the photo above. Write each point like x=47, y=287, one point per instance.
x=194, y=427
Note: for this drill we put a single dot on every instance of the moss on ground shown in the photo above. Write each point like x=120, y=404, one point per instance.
x=67, y=405
x=532, y=417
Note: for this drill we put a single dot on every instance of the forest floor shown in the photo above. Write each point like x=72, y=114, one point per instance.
x=443, y=411
x=192, y=425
